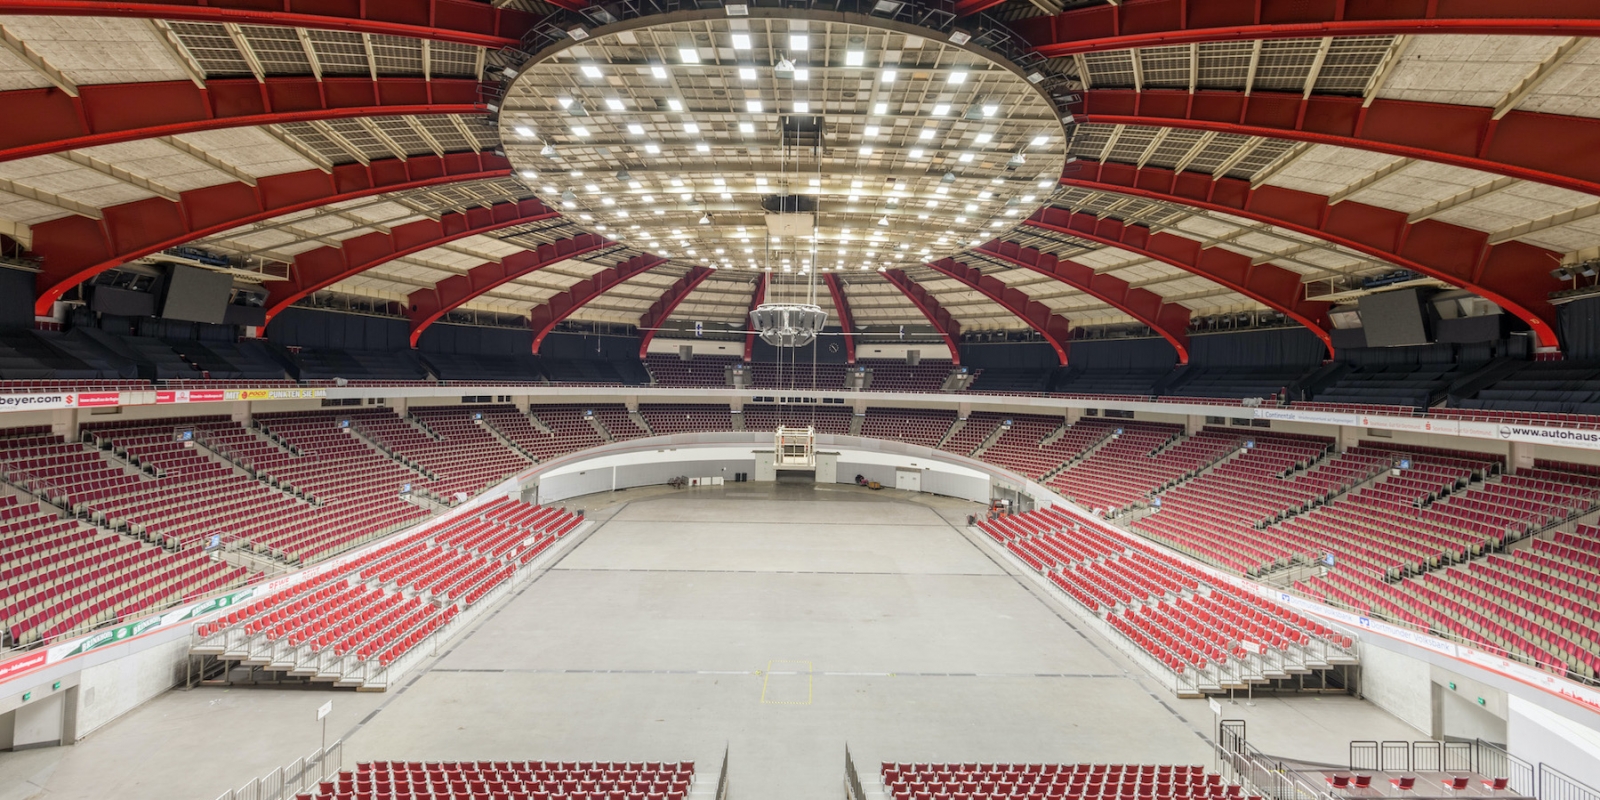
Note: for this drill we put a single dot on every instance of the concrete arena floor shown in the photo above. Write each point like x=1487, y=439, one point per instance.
x=780, y=622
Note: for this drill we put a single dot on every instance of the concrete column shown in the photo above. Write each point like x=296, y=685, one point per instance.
x=1073, y=415
x=963, y=410
x=64, y=423
x=1521, y=456
x=1194, y=423
x=400, y=405
x=1349, y=437
x=39, y=723
x=240, y=412
x=736, y=404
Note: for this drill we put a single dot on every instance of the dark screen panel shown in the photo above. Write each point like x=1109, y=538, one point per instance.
x=197, y=295
x=1394, y=319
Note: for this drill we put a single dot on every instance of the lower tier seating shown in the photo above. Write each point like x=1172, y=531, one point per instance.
x=350, y=624
x=918, y=781
x=503, y=780
x=1195, y=626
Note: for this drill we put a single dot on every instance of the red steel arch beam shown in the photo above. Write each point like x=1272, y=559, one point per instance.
x=460, y=21
x=325, y=266
x=757, y=297
x=847, y=322
x=942, y=321
x=1513, y=275
x=76, y=249
x=966, y=8
x=1151, y=23
x=51, y=121
x=426, y=306
x=1272, y=286
x=1171, y=320
x=653, y=318
x=547, y=316
x=1038, y=315
x=1544, y=148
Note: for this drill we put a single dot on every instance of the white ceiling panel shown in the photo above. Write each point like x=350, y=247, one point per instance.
x=1465, y=70
x=92, y=50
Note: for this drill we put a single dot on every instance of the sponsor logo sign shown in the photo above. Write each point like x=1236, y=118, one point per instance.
x=27, y=663
x=37, y=402
x=99, y=399
x=191, y=396
x=276, y=394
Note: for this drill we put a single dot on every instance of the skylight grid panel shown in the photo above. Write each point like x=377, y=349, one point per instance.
x=277, y=49
x=1260, y=158
x=212, y=48
x=1172, y=149
x=446, y=134
x=403, y=134
x=358, y=136
x=1165, y=67
x=447, y=59
x=339, y=53
x=316, y=141
x=1351, y=63
x=397, y=55
x=1114, y=68
x=1219, y=150
x=1131, y=145
x=1285, y=63
x=1224, y=65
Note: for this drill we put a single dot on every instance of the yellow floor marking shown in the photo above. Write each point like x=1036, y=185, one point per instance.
x=771, y=668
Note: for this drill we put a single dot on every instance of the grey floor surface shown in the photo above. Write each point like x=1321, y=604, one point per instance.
x=780, y=623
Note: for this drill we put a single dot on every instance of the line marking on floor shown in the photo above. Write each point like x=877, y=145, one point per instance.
x=770, y=671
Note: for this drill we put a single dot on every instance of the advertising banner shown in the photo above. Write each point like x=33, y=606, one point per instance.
x=99, y=399
x=37, y=402
x=191, y=396
x=1509, y=432
x=1297, y=415
x=275, y=394
x=1448, y=427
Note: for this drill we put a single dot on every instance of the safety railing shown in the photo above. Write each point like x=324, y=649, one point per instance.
x=852, y=779
x=300, y=775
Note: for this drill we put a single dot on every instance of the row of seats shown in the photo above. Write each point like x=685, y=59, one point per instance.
x=386, y=602
x=1170, y=610
x=921, y=781
x=508, y=780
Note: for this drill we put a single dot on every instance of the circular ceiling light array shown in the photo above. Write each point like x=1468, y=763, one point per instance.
x=668, y=136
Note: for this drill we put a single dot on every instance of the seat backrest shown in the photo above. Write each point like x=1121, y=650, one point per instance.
x=1363, y=781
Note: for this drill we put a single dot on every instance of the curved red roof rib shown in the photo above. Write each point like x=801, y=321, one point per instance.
x=460, y=21
x=1152, y=23
x=1171, y=320
x=1272, y=286
x=325, y=266
x=1545, y=148
x=1513, y=275
x=75, y=249
x=847, y=322
x=426, y=306
x=650, y=322
x=1036, y=314
x=942, y=321
x=47, y=121
x=547, y=316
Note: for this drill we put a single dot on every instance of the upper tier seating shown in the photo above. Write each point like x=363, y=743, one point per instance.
x=1144, y=458
x=992, y=380
x=503, y=780
x=797, y=375
x=467, y=457
x=924, y=426
x=891, y=375
x=666, y=419
x=825, y=419
x=1391, y=384
x=1545, y=386
x=702, y=371
x=916, y=781
x=1125, y=382
x=1236, y=382
x=380, y=365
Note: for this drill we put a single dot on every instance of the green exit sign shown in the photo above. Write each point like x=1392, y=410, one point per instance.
x=56, y=685
x=26, y=696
